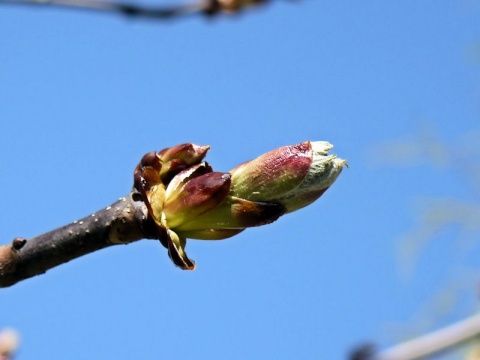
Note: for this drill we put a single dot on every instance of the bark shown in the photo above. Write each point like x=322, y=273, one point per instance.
x=123, y=222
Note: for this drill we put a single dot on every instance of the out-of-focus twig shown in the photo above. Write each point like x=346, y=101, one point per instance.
x=434, y=342
x=131, y=9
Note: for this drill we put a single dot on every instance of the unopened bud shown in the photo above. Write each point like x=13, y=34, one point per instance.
x=194, y=198
x=293, y=176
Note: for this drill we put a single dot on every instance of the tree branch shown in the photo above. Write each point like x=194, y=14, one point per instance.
x=205, y=7
x=123, y=222
x=177, y=196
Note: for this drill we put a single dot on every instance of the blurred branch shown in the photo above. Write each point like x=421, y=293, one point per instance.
x=121, y=223
x=201, y=7
x=450, y=157
x=459, y=157
x=426, y=147
x=436, y=216
x=434, y=342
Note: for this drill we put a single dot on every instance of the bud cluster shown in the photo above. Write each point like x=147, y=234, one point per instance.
x=187, y=199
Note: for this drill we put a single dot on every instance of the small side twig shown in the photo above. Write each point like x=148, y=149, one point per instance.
x=123, y=222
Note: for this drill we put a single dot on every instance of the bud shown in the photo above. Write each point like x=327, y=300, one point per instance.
x=199, y=203
x=323, y=172
x=273, y=174
x=194, y=197
x=188, y=153
x=180, y=157
x=293, y=176
x=162, y=166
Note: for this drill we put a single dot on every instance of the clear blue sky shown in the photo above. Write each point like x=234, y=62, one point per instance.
x=83, y=96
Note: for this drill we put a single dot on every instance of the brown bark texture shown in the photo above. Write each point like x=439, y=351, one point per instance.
x=123, y=222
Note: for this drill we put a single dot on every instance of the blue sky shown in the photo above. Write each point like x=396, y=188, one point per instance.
x=83, y=96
